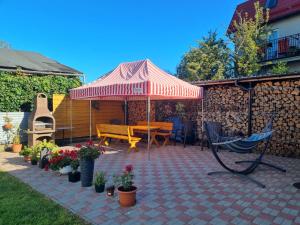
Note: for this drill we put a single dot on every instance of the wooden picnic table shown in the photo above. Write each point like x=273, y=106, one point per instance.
x=144, y=128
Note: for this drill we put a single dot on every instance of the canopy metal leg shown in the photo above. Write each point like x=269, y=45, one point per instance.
x=125, y=112
x=90, y=120
x=148, y=124
x=239, y=175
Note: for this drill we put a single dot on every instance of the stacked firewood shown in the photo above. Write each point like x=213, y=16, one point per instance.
x=282, y=98
x=227, y=105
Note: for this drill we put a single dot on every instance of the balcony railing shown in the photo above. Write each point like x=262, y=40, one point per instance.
x=284, y=47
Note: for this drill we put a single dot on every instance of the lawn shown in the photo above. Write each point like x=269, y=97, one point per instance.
x=20, y=204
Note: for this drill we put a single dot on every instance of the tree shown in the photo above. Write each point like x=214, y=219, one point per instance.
x=249, y=34
x=280, y=68
x=4, y=44
x=210, y=60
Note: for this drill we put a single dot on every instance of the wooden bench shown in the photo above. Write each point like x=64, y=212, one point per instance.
x=121, y=132
x=165, y=131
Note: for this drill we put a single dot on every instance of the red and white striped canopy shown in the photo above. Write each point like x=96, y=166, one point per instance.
x=137, y=81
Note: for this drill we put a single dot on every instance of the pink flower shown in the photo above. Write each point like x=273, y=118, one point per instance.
x=129, y=168
x=78, y=145
x=89, y=142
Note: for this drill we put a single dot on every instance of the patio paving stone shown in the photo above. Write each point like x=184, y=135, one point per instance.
x=173, y=188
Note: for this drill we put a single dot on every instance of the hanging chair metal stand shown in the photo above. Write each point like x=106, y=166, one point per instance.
x=240, y=145
x=262, y=163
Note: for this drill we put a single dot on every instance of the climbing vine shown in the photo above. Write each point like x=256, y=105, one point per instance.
x=17, y=91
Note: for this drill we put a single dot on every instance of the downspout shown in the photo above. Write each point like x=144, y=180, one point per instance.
x=250, y=102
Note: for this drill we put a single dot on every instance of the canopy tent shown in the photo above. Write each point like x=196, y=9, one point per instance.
x=137, y=80
x=140, y=80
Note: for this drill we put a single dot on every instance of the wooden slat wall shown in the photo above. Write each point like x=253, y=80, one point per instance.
x=108, y=110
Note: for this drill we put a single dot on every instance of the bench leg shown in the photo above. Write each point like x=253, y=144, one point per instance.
x=104, y=141
x=133, y=146
x=167, y=139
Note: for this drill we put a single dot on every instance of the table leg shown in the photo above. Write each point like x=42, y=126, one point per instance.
x=153, y=139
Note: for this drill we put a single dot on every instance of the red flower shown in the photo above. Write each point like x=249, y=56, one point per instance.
x=78, y=145
x=61, y=151
x=129, y=168
x=89, y=142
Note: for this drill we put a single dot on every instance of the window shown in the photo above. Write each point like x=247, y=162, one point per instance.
x=271, y=4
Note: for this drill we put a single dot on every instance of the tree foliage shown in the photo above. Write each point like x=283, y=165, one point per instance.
x=210, y=60
x=18, y=90
x=249, y=34
x=280, y=68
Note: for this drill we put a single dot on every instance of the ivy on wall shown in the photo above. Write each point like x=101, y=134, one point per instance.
x=17, y=91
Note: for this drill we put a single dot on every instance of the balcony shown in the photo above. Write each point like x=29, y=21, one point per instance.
x=280, y=48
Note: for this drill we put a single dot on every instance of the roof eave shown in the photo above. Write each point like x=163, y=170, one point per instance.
x=247, y=79
x=29, y=72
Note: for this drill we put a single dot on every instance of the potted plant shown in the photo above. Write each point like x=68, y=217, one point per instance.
x=74, y=176
x=34, y=157
x=8, y=125
x=17, y=146
x=127, y=192
x=45, y=148
x=99, y=182
x=87, y=155
x=61, y=161
x=26, y=152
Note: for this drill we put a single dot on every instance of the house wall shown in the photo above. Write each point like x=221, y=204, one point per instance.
x=287, y=26
x=19, y=119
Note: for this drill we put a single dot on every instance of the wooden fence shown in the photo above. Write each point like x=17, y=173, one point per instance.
x=65, y=111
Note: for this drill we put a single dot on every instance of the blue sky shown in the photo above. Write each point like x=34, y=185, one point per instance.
x=95, y=36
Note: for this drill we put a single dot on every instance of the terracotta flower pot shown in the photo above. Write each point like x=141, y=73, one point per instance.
x=8, y=126
x=127, y=198
x=16, y=148
x=27, y=158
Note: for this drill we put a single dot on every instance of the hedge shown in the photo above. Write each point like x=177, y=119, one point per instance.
x=17, y=91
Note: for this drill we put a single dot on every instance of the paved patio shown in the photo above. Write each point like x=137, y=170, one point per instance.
x=174, y=189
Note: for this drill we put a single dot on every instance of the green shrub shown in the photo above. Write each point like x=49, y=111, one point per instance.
x=280, y=68
x=18, y=90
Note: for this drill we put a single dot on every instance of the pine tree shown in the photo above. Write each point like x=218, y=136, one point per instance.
x=210, y=60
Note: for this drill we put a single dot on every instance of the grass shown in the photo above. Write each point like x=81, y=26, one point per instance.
x=20, y=204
